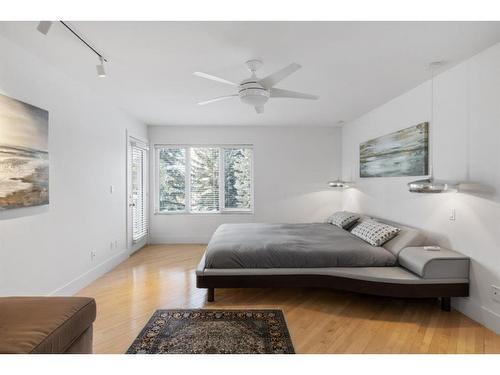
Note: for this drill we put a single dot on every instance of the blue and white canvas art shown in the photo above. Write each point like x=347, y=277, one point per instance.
x=24, y=156
x=402, y=153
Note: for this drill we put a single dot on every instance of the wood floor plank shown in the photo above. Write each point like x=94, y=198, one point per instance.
x=320, y=321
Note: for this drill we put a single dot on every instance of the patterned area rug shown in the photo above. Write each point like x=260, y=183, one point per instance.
x=214, y=332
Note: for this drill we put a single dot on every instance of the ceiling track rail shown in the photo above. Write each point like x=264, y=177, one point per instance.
x=67, y=26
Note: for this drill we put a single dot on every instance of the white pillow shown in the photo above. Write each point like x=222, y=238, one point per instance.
x=375, y=233
x=342, y=219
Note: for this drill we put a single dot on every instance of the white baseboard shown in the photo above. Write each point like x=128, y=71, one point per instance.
x=86, y=278
x=158, y=240
x=479, y=313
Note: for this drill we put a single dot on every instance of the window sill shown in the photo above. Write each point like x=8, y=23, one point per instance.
x=206, y=213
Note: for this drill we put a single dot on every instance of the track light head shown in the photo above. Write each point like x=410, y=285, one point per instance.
x=44, y=27
x=101, y=72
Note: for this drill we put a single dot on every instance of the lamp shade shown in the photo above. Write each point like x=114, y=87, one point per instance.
x=431, y=185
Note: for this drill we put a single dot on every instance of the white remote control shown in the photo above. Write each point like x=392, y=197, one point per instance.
x=432, y=248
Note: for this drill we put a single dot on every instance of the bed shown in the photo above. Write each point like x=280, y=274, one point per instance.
x=323, y=255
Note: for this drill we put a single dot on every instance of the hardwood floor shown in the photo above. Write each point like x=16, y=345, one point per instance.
x=320, y=321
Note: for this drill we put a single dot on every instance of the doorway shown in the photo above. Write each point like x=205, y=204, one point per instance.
x=137, y=194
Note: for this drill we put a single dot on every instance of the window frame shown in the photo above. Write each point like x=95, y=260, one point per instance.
x=222, y=209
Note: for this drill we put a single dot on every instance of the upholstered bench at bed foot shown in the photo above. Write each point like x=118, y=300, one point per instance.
x=46, y=325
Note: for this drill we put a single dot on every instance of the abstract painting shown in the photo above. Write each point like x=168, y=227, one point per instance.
x=402, y=153
x=24, y=157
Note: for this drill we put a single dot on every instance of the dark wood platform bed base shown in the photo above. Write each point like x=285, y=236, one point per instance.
x=444, y=291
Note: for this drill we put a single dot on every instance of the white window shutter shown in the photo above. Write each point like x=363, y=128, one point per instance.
x=139, y=199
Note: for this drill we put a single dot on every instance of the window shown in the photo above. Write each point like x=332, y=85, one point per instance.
x=204, y=179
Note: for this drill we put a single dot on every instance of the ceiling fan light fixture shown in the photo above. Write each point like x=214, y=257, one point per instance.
x=255, y=91
x=251, y=92
x=254, y=97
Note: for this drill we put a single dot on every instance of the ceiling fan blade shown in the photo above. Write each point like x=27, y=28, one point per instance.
x=259, y=109
x=214, y=78
x=217, y=99
x=280, y=93
x=280, y=75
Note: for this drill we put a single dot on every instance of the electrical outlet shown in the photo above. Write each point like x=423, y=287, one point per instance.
x=495, y=293
x=452, y=216
x=116, y=244
x=92, y=255
x=111, y=189
x=111, y=245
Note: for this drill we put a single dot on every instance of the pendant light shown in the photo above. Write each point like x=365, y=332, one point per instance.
x=338, y=183
x=430, y=184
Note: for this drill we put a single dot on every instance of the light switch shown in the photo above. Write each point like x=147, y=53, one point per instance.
x=111, y=189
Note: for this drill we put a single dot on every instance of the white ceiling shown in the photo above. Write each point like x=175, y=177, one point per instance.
x=353, y=66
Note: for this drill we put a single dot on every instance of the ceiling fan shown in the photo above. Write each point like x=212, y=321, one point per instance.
x=255, y=91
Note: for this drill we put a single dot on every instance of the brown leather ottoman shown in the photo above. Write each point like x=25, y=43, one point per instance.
x=46, y=324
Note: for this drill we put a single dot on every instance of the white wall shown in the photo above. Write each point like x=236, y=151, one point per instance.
x=291, y=168
x=466, y=147
x=47, y=249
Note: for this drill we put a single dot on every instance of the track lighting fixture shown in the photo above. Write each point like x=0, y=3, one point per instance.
x=44, y=27
x=101, y=72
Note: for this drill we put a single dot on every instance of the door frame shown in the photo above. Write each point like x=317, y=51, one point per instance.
x=131, y=246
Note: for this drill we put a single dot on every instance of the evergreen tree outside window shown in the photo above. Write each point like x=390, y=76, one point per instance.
x=237, y=178
x=204, y=179
x=172, y=179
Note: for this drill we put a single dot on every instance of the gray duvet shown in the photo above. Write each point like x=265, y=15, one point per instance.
x=291, y=246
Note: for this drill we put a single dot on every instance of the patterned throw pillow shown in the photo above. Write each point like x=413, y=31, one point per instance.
x=375, y=233
x=342, y=219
